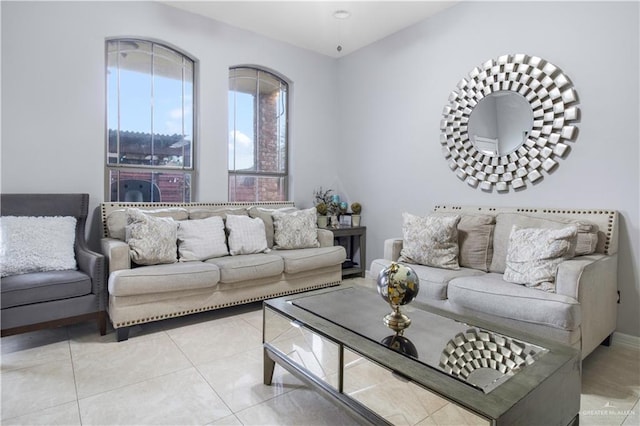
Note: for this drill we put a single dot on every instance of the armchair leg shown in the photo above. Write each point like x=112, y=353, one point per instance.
x=102, y=322
x=607, y=342
x=122, y=334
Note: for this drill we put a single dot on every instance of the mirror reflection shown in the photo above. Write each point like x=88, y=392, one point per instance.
x=500, y=123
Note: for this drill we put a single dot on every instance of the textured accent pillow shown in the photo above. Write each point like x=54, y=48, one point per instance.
x=430, y=240
x=201, y=239
x=37, y=244
x=266, y=216
x=246, y=235
x=533, y=255
x=296, y=229
x=117, y=219
x=152, y=240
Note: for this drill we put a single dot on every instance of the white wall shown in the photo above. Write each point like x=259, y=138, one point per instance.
x=366, y=125
x=392, y=95
x=53, y=95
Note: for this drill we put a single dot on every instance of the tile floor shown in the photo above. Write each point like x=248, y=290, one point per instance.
x=206, y=369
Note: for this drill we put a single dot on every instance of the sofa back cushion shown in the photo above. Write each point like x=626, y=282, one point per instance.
x=223, y=212
x=584, y=243
x=117, y=219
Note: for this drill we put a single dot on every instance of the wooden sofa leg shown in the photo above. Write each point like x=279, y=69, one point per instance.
x=122, y=334
x=607, y=341
x=102, y=322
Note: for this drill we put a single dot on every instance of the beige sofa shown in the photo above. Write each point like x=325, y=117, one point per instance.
x=582, y=310
x=141, y=294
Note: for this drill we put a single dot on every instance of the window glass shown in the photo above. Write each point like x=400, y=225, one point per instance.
x=258, y=136
x=150, y=125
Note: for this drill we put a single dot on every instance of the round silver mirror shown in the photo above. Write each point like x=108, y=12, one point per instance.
x=500, y=123
x=551, y=108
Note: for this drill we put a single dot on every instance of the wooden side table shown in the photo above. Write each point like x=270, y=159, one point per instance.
x=352, y=238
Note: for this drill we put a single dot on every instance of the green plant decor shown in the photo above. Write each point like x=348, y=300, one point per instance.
x=356, y=208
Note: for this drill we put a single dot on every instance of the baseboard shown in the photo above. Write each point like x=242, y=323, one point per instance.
x=626, y=340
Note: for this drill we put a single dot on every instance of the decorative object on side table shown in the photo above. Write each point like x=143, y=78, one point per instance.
x=321, y=208
x=398, y=285
x=322, y=200
x=356, y=209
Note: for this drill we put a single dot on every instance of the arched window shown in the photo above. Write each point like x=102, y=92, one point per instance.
x=150, y=122
x=258, y=136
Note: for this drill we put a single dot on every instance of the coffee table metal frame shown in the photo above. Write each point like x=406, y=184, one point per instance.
x=546, y=392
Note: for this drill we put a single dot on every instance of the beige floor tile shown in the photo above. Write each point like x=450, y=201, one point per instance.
x=633, y=418
x=209, y=341
x=239, y=380
x=300, y=407
x=37, y=388
x=123, y=363
x=231, y=420
x=34, y=348
x=180, y=398
x=63, y=415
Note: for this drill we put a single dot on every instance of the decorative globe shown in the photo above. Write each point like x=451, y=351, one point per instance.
x=398, y=284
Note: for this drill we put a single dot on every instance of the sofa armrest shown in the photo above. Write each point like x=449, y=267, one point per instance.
x=392, y=247
x=117, y=254
x=92, y=264
x=593, y=281
x=325, y=237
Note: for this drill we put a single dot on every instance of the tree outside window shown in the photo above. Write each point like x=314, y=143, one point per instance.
x=258, y=136
x=150, y=122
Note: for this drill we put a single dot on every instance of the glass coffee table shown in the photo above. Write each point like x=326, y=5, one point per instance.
x=440, y=370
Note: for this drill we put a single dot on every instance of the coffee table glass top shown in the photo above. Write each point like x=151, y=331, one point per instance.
x=478, y=357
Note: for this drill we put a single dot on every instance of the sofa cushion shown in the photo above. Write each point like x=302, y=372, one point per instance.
x=302, y=260
x=491, y=294
x=246, y=235
x=26, y=289
x=201, y=239
x=248, y=267
x=533, y=255
x=222, y=212
x=152, y=240
x=430, y=240
x=433, y=281
x=295, y=230
x=585, y=243
x=163, y=278
x=117, y=219
x=36, y=244
x=266, y=216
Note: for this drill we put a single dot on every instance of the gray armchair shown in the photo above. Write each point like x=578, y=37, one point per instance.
x=56, y=298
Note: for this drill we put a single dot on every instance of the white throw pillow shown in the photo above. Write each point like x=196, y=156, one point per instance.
x=533, y=255
x=295, y=230
x=430, y=240
x=246, y=235
x=37, y=244
x=201, y=239
x=152, y=240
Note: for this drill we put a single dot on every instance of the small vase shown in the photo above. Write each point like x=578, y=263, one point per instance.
x=322, y=221
x=355, y=220
x=334, y=222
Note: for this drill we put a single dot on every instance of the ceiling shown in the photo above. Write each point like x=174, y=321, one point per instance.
x=311, y=24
